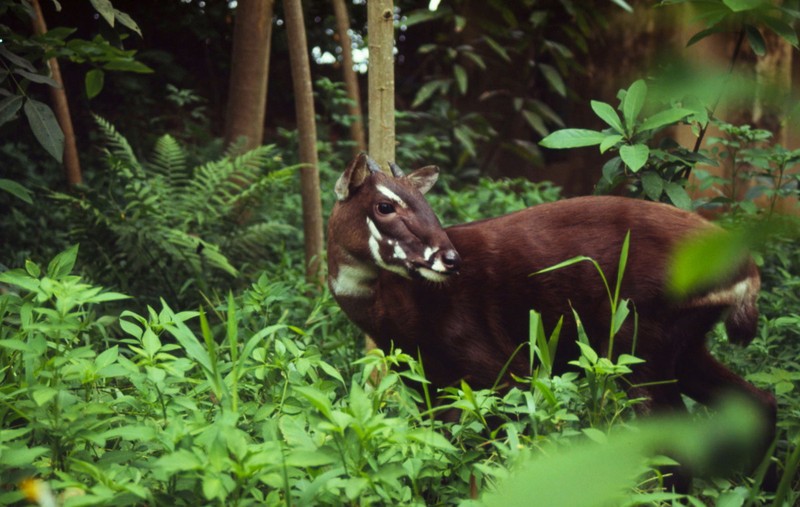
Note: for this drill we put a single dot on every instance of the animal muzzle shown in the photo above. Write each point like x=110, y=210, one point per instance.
x=437, y=264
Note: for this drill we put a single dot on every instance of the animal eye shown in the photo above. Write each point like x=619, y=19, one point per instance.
x=384, y=208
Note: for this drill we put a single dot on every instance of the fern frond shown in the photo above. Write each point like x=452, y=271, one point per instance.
x=256, y=242
x=169, y=161
x=197, y=252
x=117, y=145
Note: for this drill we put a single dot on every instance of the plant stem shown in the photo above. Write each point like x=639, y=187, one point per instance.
x=687, y=171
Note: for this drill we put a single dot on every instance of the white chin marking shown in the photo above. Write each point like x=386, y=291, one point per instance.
x=431, y=275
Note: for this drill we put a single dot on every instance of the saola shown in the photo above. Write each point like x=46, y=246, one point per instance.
x=461, y=296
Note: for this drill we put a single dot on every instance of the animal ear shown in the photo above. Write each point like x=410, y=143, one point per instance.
x=352, y=177
x=424, y=178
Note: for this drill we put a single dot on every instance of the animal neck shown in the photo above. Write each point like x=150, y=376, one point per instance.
x=350, y=277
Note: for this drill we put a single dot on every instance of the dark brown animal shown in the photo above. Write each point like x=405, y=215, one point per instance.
x=461, y=296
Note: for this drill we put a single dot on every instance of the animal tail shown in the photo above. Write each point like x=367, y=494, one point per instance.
x=742, y=321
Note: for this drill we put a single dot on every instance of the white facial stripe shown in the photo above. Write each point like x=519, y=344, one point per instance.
x=373, y=230
x=428, y=253
x=392, y=196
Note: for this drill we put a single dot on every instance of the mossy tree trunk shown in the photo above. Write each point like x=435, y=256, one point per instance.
x=304, y=105
x=350, y=78
x=72, y=165
x=247, y=97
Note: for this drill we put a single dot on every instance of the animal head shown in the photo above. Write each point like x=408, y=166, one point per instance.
x=386, y=221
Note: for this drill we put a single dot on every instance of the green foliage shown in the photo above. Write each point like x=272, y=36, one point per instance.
x=521, y=43
x=660, y=172
x=21, y=54
x=161, y=228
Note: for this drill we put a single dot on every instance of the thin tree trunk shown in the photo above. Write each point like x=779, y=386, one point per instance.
x=247, y=97
x=350, y=78
x=380, y=26
x=72, y=165
x=304, y=105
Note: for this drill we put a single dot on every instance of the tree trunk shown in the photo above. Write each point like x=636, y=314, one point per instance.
x=247, y=97
x=72, y=166
x=304, y=105
x=380, y=27
x=350, y=78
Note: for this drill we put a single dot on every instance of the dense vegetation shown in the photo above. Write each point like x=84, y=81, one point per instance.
x=159, y=342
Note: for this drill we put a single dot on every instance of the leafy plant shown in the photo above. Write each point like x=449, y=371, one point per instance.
x=162, y=228
x=529, y=43
x=23, y=61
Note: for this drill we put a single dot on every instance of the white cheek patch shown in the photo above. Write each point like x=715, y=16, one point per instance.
x=391, y=196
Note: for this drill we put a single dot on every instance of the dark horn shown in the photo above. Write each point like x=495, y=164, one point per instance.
x=396, y=171
x=373, y=166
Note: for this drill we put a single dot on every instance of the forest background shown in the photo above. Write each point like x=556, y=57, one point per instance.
x=186, y=197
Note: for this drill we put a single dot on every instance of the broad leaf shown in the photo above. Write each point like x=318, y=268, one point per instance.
x=653, y=185
x=608, y=115
x=94, y=82
x=461, y=78
x=633, y=102
x=9, y=107
x=105, y=9
x=756, y=40
x=572, y=138
x=664, y=118
x=554, y=78
x=45, y=127
x=743, y=5
x=17, y=190
x=677, y=194
x=634, y=156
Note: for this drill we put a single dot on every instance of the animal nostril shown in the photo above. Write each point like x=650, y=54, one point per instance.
x=451, y=259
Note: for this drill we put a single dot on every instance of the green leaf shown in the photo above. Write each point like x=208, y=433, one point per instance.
x=634, y=156
x=677, y=194
x=608, y=115
x=756, y=40
x=609, y=142
x=653, y=185
x=45, y=127
x=703, y=34
x=37, y=78
x=633, y=102
x=623, y=4
x=784, y=30
x=464, y=135
x=572, y=138
x=664, y=118
x=9, y=107
x=743, y=5
x=127, y=21
x=17, y=190
x=461, y=78
x=497, y=48
x=62, y=264
x=554, y=78
x=105, y=9
x=94, y=82
x=427, y=90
